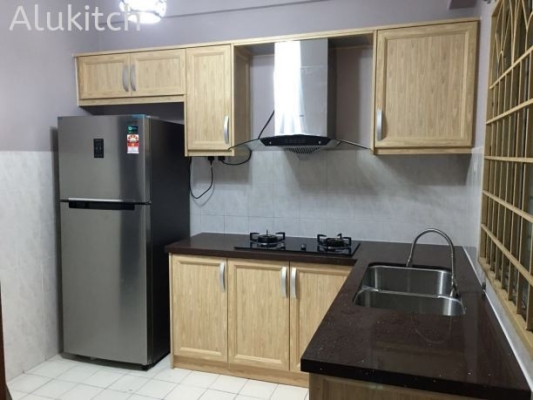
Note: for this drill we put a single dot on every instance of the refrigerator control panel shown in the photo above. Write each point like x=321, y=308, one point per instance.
x=98, y=147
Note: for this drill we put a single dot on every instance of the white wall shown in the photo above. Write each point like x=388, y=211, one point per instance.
x=36, y=85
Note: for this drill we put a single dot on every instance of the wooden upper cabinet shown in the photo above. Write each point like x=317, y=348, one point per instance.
x=130, y=78
x=258, y=316
x=103, y=76
x=158, y=73
x=312, y=288
x=425, y=88
x=199, y=308
x=209, y=100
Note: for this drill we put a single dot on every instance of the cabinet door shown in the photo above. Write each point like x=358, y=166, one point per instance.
x=102, y=77
x=158, y=73
x=208, y=104
x=312, y=288
x=425, y=86
x=259, y=314
x=200, y=308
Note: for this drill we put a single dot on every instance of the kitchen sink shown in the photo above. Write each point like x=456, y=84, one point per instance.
x=410, y=290
x=408, y=280
x=409, y=302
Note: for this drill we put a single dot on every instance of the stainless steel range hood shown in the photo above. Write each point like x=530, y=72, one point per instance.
x=304, y=99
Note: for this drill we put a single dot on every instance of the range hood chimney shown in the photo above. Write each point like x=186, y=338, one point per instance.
x=304, y=94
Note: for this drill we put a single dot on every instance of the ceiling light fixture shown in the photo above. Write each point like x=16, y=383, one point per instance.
x=147, y=11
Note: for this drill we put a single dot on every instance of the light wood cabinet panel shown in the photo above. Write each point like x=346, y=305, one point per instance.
x=103, y=76
x=425, y=87
x=199, y=308
x=158, y=73
x=322, y=387
x=209, y=98
x=259, y=314
x=313, y=289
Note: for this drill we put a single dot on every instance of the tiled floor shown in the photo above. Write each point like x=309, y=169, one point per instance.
x=75, y=379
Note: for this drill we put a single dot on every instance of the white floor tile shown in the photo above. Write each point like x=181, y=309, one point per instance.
x=51, y=369
x=137, y=397
x=35, y=397
x=17, y=395
x=284, y=392
x=81, y=392
x=79, y=374
x=184, y=392
x=112, y=395
x=102, y=379
x=27, y=383
x=129, y=384
x=176, y=375
x=240, y=397
x=152, y=372
x=200, y=379
x=258, y=389
x=157, y=389
x=217, y=395
x=229, y=384
x=54, y=389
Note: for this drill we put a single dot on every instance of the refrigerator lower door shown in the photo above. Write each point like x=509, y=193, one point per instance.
x=105, y=269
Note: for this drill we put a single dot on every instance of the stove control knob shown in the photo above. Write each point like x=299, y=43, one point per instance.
x=304, y=247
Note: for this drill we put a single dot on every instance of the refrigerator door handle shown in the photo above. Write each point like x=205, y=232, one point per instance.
x=71, y=199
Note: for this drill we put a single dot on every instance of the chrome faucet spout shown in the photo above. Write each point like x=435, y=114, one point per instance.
x=409, y=263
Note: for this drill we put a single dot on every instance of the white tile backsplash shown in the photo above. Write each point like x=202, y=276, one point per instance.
x=352, y=192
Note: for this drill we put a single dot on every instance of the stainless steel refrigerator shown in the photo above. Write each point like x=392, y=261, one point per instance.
x=124, y=191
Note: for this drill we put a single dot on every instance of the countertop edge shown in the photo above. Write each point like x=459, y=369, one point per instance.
x=465, y=389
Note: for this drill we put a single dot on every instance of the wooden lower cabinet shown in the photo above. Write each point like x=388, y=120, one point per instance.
x=248, y=318
x=312, y=288
x=258, y=314
x=323, y=387
x=199, y=308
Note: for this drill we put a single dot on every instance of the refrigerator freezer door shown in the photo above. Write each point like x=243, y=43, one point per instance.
x=105, y=248
x=104, y=157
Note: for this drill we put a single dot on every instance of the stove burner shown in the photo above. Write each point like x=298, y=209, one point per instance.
x=268, y=239
x=338, y=244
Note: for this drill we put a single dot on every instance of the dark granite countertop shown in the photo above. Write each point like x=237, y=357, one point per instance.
x=467, y=355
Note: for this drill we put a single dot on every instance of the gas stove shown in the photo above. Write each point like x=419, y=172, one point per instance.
x=339, y=245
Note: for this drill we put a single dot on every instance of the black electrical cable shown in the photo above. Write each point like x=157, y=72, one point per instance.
x=268, y=122
x=210, y=186
x=259, y=137
x=240, y=163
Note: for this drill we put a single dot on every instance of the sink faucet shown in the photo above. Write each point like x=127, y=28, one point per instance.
x=452, y=249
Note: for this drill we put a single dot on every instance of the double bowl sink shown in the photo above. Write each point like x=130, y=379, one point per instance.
x=409, y=289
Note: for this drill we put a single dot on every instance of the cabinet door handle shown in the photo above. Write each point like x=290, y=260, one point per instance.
x=133, y=78
x=379, y=124
x=226, y=129
x=222, y=276
x=125, y=81
x=283, y=282
x=294, y=271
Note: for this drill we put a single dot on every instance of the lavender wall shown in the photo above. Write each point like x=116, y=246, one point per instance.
x=282, y=20
x=36, y=85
